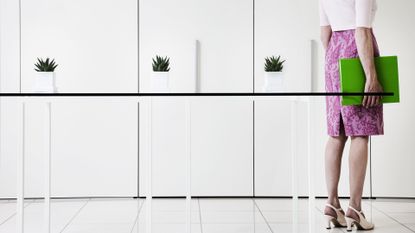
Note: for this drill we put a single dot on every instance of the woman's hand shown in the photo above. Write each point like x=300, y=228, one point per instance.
x=372, y=85
x=365, y=49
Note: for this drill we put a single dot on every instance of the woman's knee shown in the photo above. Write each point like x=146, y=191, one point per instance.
x=341, y=139
x=360, y=139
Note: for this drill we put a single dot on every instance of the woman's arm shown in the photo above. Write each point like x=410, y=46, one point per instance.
x=325, y=35
x=364, y=45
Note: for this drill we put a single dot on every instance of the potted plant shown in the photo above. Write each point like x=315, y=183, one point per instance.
x=274, y=78
x=45, y=78
x=160, y=78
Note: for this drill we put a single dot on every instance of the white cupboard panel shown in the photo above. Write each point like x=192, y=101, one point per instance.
x=392, y=154
x=224, y=30
x=9, y=46
x=286, y=28
x=168, y=146
x=273, y=148
x=10, y=146
x=222, y=161
x=94, y=148
x=11, y=126
x=93, y=41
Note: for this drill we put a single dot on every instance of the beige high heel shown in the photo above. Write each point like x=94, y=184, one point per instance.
x=361, y=224
x=338, y=221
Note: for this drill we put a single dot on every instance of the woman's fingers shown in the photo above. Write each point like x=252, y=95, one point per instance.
x=364, y=102
x=376, y=101
x=372, y=101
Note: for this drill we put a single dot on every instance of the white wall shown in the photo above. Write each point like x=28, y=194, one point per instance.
x=98, y=53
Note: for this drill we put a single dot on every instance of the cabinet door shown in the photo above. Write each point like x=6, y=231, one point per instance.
x=224, y=31
x=392, y=154
x=285, y=28
x=94, y=148
x=273, y=147
x=168, y=146
x=221, y=147
x=9, y=46
x=93, y=41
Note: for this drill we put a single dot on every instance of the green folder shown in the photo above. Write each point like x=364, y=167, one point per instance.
x=352, y=78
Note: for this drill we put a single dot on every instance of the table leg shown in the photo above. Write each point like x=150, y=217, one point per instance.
x=188, y=165
x=294, y=167
x=21, y=176
x=48, y=153
x=310, y=160
x=149, y=196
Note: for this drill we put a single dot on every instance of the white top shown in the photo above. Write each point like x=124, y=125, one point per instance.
x=347, y=14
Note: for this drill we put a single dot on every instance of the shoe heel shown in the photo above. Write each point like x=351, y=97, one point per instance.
x=328, y=219
x=349, y=223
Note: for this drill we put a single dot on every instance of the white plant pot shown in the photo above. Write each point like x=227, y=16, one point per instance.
x=45, y=82
x=274, y=82
x=160, y=81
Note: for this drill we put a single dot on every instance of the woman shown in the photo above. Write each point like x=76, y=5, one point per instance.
x=346, y=32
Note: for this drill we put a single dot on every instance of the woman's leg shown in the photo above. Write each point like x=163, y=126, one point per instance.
x=357, y=170
x=333, y=158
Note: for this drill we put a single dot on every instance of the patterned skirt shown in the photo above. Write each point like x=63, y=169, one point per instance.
x=348, y=120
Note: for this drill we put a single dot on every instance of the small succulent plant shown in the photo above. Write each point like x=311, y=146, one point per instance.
x=45, y=65
x=161, y=64
x=274, y=64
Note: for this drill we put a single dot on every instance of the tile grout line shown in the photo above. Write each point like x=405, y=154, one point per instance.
x=392, y=218
x=14, y=214
x=73, y=217
x=262, y=215
x=138, y=214
x=200, y=215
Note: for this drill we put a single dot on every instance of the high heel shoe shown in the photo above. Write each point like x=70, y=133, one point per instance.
x=361, y=224
x=338, y=220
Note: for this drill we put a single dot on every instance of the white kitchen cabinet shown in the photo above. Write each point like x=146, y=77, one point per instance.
x=93, y=41
x=221, y=147
x=94, y=147
x=225, y=35
x=168, y=146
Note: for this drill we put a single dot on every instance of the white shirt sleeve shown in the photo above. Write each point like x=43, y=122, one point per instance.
x=324, y=21
x=364, y=13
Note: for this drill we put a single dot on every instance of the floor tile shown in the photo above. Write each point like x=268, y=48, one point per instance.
x=167, y=228
x=116, y=211
x=99, y=227
x=61, y=213
x=231, y=217
x=216, y=215
x=227, y=204
x=235, y=228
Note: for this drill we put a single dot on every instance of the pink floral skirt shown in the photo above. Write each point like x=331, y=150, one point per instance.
x=348, y=120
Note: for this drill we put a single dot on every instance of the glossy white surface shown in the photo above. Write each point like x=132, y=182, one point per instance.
x=208, y=215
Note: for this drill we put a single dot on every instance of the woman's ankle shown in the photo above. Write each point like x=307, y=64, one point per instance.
x=334, y=201
x=357, y=205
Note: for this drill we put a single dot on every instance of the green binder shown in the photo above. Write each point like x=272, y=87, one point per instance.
x=352, y=78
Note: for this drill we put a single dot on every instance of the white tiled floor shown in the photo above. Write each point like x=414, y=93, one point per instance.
x=208, y=215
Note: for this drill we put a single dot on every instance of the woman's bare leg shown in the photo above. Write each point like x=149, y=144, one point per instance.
x=357, y=171
x=333, y=159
